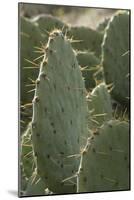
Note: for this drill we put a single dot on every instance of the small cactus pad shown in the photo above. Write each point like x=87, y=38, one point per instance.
x=116, y=56
x=100, y=104
x=59, y=115
x=86, y=39
x=105, y=159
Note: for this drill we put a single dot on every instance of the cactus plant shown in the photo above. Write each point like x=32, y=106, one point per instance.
x=59, y=115
x=66, y=114
x=105, y=159
x=115, y=56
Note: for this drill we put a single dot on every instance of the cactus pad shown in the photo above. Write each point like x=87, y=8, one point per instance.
x=30, y=37
x=100, y=104
x=88, y=61
x=59, y=115
x=88, y=39
x=48, y=23
x=105, y=159
x=116, y=56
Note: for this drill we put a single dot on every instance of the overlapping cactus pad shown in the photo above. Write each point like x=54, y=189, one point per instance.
x=100, y=104
x=105, y=159
x=72, y=140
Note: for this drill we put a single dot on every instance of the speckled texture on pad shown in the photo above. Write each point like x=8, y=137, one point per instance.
x=105, y=160
x=59, y=115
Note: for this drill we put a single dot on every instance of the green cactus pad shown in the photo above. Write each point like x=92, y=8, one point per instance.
x=87, y=59
x=59, y=115
x=88, y=39
x=48, y=23
x=30, y=37
x=100, y=104
x=90, y=61
x=116, y=56
x=105, y=159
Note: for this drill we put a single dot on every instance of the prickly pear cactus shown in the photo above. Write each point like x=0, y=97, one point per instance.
x=59, y=123
x=100, y=105
x=105, y=159
x=116, y=56
x=86, y=39
x=65, y=114
x=89, y=65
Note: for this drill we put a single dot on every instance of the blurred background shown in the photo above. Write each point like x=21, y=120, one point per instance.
x=75, y=16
